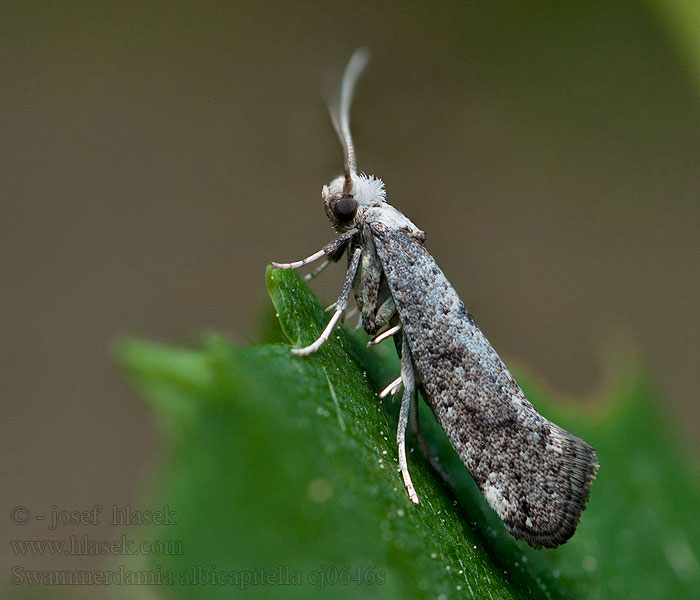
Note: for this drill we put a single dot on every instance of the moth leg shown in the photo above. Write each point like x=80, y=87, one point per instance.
x=317, y=271
x=423, y=445
x=349, y=314
x=392, y=388
x=368, y=283
x=385, y=335
x=300, y=263
x=358, y=325
x=385, y=313
x=333, y=250
x=383, y=317
x=340, y=306
x=409, y=397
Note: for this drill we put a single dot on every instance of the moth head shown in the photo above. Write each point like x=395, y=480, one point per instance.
x=341, y=209
x=345, y=208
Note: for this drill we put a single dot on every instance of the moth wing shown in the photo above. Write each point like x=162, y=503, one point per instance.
x=533, y=473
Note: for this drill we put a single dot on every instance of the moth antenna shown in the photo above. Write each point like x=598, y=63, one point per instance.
x=341, y=119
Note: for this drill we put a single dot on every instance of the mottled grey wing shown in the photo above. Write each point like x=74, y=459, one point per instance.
x=533, y=473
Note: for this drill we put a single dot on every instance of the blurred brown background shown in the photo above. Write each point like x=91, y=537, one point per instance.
x=155, y=157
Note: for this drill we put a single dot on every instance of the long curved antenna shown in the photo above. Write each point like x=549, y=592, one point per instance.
x=341, y=119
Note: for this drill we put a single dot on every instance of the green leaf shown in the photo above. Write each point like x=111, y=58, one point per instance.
x=285, y=467
x=682, y=20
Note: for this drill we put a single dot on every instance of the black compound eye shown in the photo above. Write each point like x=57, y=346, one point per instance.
x=345, y=208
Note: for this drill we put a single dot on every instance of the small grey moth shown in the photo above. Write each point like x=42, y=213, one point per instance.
x=533, y=473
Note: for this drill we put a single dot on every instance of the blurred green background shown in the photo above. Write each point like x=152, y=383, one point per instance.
x=156, y=157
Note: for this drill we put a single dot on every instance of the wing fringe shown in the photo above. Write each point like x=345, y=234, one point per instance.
x=579, y=467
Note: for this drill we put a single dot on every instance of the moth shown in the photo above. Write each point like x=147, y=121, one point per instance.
x=533, y=473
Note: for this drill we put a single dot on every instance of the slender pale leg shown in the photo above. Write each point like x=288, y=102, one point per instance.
x=382, y=336
x=340, y=305
x=409, y=396
x=423, y=445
